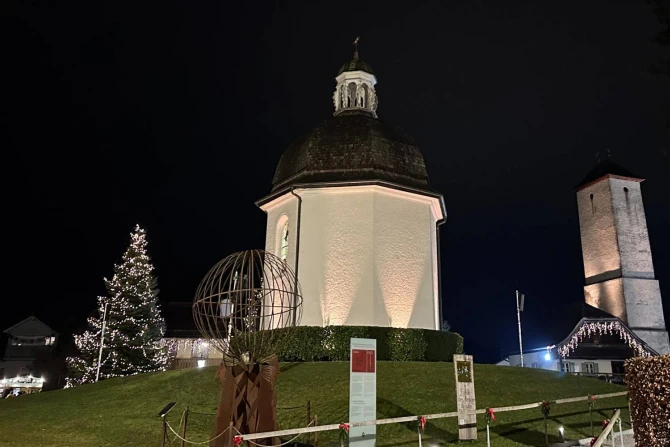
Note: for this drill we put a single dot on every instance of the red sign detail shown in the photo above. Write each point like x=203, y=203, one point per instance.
x=362, y=360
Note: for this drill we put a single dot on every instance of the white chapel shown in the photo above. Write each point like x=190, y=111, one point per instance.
x=351, y=212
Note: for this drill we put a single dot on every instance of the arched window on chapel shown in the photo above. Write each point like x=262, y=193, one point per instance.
x=283, y=250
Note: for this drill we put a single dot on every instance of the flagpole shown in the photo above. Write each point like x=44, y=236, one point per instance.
x=519, y=306
x=102, y=342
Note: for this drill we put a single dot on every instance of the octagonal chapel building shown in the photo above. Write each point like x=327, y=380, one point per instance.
x=351, y=212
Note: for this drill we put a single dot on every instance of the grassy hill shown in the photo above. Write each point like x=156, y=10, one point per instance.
x=123, y=412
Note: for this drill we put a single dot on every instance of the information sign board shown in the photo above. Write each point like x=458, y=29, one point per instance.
x=363, y=391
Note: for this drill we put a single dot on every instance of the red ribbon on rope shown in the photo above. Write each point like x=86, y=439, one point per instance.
x=491, y=414
x=593, y=441
x=545, y=408
x=605, y=422
x=237, y=440
x=593, y=398
x=422, y=422
x=344, y=427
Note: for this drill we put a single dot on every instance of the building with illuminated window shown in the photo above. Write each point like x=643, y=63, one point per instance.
x=352, y=213
x=31, y=360
x=182, y=338
x=623, y=310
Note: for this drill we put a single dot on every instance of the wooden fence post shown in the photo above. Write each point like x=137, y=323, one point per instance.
x=316, y=433
x=183, y=429
x=164, y=432
x=309, y=419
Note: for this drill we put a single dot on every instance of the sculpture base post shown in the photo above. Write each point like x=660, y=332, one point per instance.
x=248, y=400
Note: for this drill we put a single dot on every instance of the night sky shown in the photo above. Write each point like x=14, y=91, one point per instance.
x=175, y=115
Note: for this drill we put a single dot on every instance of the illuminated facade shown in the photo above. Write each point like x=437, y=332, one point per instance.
x=352, y=213
x=622, y=310
x=618, y=265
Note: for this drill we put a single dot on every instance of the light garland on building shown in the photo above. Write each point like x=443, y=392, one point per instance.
x=134, y=325
x=598, y=327
x=196, y=346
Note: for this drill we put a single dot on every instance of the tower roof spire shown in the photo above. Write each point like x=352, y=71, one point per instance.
x=355, y=90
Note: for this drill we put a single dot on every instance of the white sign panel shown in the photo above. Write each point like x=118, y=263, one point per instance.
x=363, y=391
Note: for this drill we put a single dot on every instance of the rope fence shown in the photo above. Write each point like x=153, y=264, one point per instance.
x=312, y=428
x=242, y=437
x=330, y=427
x=200, y=413
x=177, y=435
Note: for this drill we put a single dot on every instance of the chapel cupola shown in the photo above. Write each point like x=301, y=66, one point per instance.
x=355, y=90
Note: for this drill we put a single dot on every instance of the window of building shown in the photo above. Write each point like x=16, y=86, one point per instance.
x=590, y=367
x=566, y=366
x=50, y=341
x=28, y=341
x=537, y=365
x=24, y=371
x=283, y=250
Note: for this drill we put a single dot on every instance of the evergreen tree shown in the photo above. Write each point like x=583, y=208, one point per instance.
x=134, y=326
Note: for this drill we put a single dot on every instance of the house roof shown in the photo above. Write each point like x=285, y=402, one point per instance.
x=36, y=321
x=589, y=311
x=606, y=168
x=590, y=315
x=619, y=325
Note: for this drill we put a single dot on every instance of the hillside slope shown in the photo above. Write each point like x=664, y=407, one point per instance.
x=123, y=411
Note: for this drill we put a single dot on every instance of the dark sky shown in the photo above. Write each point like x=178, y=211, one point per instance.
x=174, y=115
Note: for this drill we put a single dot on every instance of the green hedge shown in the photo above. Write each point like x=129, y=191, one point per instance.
x=309, y=344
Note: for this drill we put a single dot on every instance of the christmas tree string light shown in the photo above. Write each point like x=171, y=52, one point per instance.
x=134, y=325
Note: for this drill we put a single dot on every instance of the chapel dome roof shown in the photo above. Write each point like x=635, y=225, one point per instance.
x=355, y=64
x=352, y=146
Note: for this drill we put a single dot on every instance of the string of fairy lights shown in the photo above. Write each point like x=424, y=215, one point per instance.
x=134, y=326
x=195, y=347
x=602, y=327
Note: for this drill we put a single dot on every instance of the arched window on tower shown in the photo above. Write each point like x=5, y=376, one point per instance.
x=283, y=248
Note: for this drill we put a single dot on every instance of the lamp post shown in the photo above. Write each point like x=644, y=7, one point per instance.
x=519, y=309
x=102, y=342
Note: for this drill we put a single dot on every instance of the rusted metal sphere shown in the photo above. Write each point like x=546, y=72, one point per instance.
x=247, y=304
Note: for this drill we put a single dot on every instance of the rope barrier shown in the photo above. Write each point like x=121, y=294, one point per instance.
x=283, y=443
x=201, y=413
x=195, y=442
x=307, y=429
x=290, y=408
x=278, y=408
x=180, y=422
x=402, y=419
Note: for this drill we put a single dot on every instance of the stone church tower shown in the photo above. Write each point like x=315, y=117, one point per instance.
x=352, y=213
x=618, y=265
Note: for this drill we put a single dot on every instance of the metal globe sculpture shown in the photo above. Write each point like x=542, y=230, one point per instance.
x=246, y=306
x=242, y=300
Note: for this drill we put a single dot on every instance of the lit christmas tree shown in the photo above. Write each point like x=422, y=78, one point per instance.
x=133, y=324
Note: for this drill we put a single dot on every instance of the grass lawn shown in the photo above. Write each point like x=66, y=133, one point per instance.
x=123, y=412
